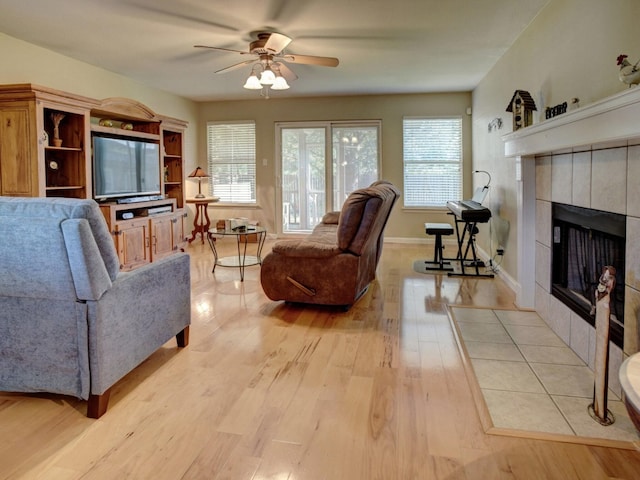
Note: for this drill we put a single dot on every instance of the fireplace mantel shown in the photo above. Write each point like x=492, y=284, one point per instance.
x=611, y=119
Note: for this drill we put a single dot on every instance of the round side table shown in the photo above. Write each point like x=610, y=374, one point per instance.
x=201, y=222
x=242, y=260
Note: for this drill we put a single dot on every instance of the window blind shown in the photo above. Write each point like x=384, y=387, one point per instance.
x=231, y=152
x=432, y=155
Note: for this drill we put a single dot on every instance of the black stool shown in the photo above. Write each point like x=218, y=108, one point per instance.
x=438, y=229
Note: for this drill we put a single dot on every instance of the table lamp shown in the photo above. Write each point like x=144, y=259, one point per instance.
x=199, y=174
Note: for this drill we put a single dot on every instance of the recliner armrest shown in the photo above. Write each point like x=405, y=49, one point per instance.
x=331, y=218
x=305, y=249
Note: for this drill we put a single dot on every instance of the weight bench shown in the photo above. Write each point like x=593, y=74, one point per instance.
x=438, y=229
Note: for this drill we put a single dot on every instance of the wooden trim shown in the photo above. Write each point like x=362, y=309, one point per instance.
x=476, y=392
x=125, y=108
x=125, y=133
x=173, y=124
x=29, y=91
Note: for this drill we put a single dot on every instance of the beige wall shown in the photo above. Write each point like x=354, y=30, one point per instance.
x=26, y=63
x=568, y=51
x=390, y=109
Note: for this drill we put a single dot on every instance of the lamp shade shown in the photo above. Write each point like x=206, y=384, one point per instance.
x=280, y=83
x=267, y=77
x=198, y=174
x=253, y=83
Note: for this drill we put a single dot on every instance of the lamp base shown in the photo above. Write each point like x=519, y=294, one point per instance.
x=199, y=195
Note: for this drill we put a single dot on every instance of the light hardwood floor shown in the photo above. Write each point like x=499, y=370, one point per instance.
x=273, y=391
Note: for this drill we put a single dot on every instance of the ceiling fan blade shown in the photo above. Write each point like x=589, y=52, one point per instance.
x=180, y=15
x=311, y=60
x=286, y=72
x=283, y=12
x=233, y=67
x=223, y=49
x=277, y=42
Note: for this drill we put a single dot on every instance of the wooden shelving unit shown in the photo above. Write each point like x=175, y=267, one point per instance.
x=172, y=133
x=32, y=164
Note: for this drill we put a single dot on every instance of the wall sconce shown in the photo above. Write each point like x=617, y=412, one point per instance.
x=199, y=174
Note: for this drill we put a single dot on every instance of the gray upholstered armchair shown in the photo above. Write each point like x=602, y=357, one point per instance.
x=335, y=264
x=70, y=322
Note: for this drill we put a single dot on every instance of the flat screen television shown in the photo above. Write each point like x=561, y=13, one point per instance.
x=125, y=167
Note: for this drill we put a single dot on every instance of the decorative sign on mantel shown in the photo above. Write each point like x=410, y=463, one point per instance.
x=551, y=112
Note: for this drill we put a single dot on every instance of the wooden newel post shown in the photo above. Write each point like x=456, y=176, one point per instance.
x=598, y=409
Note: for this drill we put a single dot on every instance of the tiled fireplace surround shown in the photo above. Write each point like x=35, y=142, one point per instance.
x=590, y=158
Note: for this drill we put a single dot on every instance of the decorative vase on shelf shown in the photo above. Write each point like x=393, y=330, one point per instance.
x=56, y=118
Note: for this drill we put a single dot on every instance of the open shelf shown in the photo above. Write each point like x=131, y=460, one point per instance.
x=66, y=165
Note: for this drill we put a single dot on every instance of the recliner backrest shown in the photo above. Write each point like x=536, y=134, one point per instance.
x=364, y=215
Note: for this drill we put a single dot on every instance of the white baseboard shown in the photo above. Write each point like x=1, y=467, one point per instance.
x=508, y=279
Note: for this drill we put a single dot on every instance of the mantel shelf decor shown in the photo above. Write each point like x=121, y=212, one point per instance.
x=522, y=107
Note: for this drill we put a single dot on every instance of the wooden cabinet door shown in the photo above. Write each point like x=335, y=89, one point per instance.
x=18, y=160
x=179, y=232
x=162, y=237
x=133, y=243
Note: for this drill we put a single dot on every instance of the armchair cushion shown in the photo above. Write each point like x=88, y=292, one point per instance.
x=64, y=208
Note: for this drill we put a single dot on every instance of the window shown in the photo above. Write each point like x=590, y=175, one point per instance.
x=231, y=152
x=432, y=161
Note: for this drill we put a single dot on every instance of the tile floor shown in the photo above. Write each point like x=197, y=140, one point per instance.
x=530, y=379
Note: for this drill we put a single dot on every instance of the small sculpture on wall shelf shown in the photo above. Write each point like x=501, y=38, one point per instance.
x=522, y=107
x=56, y=118
x=495, y=124
x=629, y=74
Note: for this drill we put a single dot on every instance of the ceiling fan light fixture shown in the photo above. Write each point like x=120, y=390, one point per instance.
x=267, y=77
x=252, y=82
x=267, y=52
x=280, y=83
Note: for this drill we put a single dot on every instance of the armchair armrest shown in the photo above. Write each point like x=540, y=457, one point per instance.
x=144, y=309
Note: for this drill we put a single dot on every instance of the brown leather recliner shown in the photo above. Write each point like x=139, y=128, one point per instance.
x=334, y=264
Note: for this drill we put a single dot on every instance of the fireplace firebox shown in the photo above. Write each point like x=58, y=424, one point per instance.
x=584, y=241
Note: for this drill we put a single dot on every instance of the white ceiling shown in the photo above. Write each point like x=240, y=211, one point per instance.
x=384, y=46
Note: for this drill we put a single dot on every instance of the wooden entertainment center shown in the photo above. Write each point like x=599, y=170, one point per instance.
x=45, y=151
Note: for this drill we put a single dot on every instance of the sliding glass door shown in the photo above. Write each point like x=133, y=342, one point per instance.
x=303, y=177
x=319, y=165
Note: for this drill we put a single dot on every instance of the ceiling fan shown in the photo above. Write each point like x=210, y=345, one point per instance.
x=267, y=55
